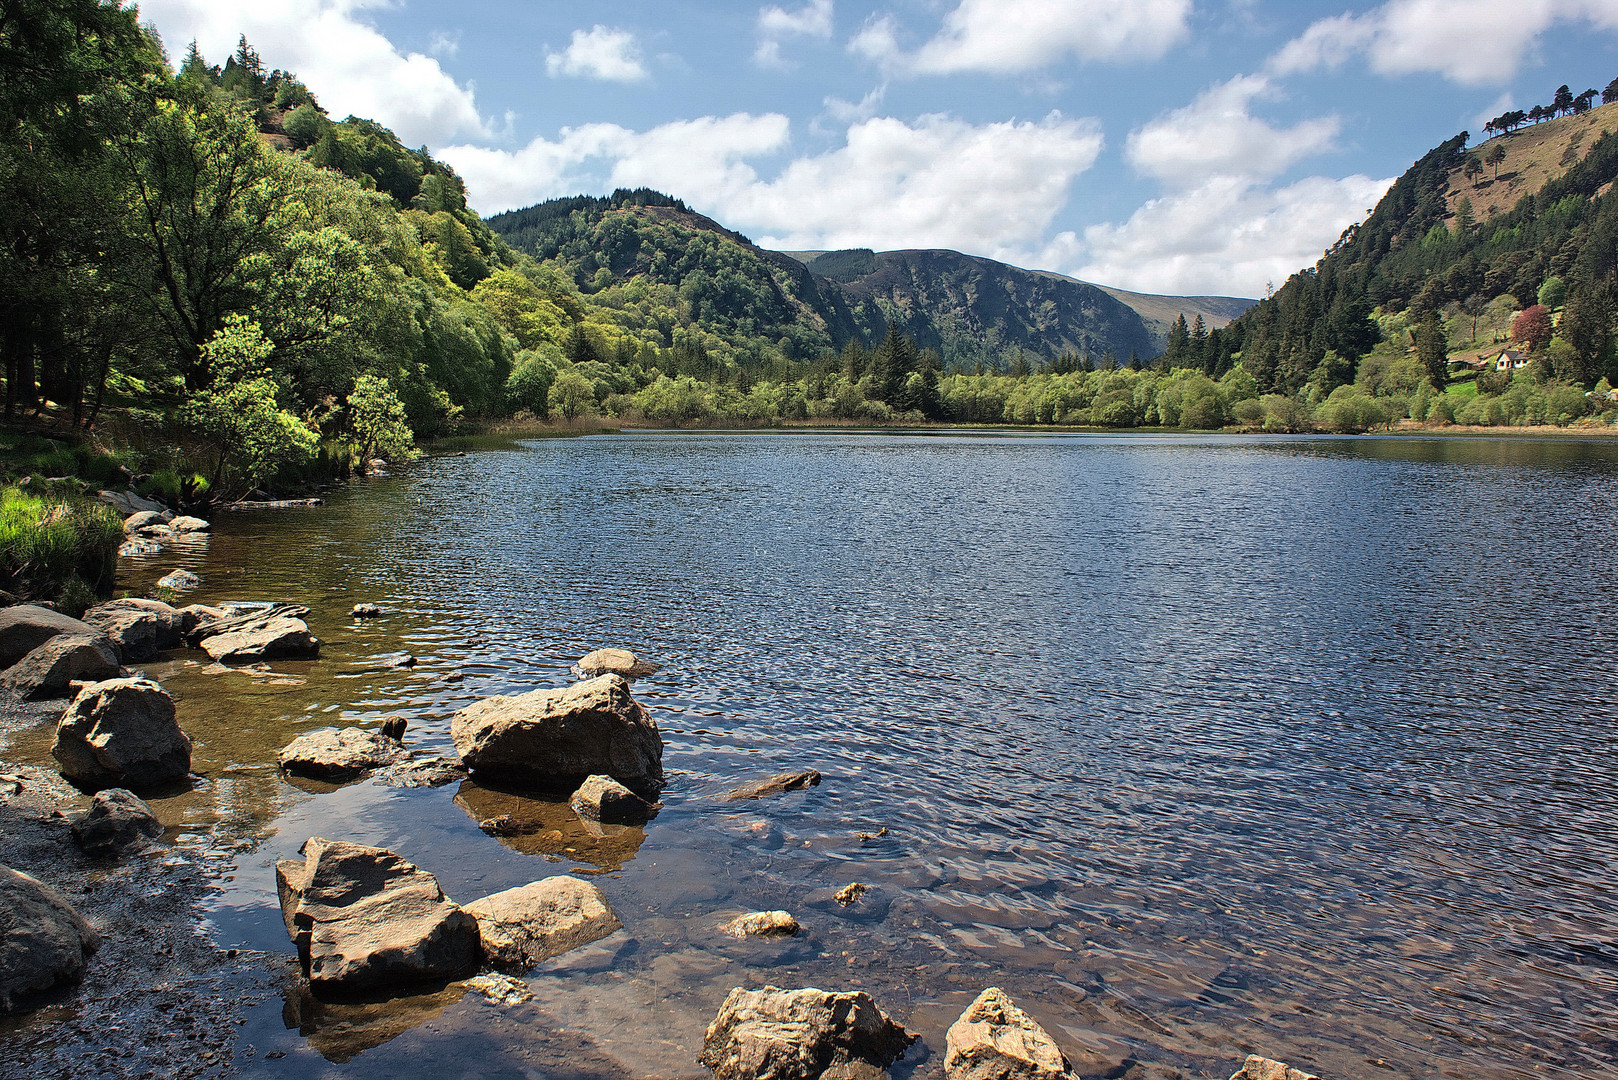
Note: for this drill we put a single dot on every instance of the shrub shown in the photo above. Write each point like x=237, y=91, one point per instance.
x=46, y=542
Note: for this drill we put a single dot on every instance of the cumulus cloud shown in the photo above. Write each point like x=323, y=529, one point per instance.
x=1226, y=236
x=1217, y=135
x=814, y=20
x=350, y=65
x=989, y=189
x=1474, y=42
x=599, y=53
x=1012, y=36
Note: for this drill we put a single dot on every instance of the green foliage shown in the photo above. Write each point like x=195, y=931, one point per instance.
x=1553, y=293
x=47, y=542
x=377, y=418
x=571, y=394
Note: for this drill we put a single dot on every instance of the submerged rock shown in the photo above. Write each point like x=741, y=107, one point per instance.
x=601, y=798
x=139, y=629
x=523, y=926
x=275, y=635
x=1263, y=1068
x=430, y=772
x=117, y=819
x=851, y=892
x=49, y=670
x=995, y=1040
x=799, y=1035
x=554, y=739
x=25, y=627
x=613, y=662
x=179, y=579
x=778, y=784
x=500, y=989
x=366, y=611
x=340, y=755
x=122, y=733
x=362, y=918
x=548, y=826
x=43, y=941
x=762, y=924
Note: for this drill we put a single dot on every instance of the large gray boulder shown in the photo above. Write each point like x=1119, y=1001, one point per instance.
x=139, y=629
x=275, y=635
x=557, y=738
x=775, y=1034
x=523, y=926
x=117, y=819
x=995, y=1040
x=48, y=671
x=43, y=941
x=122, y=733
x=363, y=918
x=340, y=755
x=26, y=627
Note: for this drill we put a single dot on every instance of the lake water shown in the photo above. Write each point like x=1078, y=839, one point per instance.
x=1197, y=746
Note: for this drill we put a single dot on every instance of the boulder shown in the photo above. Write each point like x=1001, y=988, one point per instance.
x=774, y=785
x=138, y=629
x=137, y=521
x=394, y=727
x=613, y=662
x=762, y=924
x=426, y=772
x=189, y=525
x=236, y=617
x=117, y=819
x=995, y=1040
x=179, y=579
x=122, y=733
x=268, y=637
x=364, y=918
x=799, y=1035
x=43, y=941
x=193, y=616
x=1263, y=1068
x=340, y=755
x=556, y=738
x=127, y=502
x=366, y=611
x=601, y=798
x=26, y=627
x=66, y=658
x=523, y=926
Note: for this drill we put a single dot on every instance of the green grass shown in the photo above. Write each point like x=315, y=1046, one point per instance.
x=47, y=542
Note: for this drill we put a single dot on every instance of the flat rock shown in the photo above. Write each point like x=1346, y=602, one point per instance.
x=240, y=616
x=523, y=926
x=139, y=629
x=762, y=924
x=1263, y=1068
x=364, y=918
x=557, y=738
x=50, y=670
x=117, y=819
x=127, y=502
x=774, y=785
x=122, y=733
x=25, y=627
x=137, y=521
x=185, y=524
x=613, y=662
x=430, y=772
x=340, y=755
x=775, y=1034
x=273, y=637
x=601, y=798
x=179, y=579
x=43, y=941
x=995, y=1040
x=194, y=616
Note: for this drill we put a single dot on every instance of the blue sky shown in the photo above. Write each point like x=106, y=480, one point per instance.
x=1183, y=146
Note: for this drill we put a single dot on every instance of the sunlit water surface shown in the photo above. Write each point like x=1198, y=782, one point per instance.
x=1196, y=746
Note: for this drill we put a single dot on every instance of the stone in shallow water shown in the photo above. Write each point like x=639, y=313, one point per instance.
x=139, y=629
x=1263, y=1068
x=603, y=799
x=427, y=772
x=762, y=924
x=122, y=733
x=49, y=670
x=275, y=637
x=340, y=755
x=523, y=926
x=179, y=579
x=995, y=1040
x=800, y=1035
x=778, y=784
x=25, y=627
x=613, y=662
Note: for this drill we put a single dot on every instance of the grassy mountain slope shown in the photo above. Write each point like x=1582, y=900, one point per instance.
x=1534, y=156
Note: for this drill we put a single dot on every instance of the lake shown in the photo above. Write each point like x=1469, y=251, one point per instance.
x=1196, y=745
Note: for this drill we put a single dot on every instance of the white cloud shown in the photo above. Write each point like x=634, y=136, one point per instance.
x=1226, y=236
x=351, y=66
x=1217, y=135
x=990, y=189
x=444, y=43
x=813, y=20
x=849, y=112
x=1011, y=36
x=599, y=53
x=1474, y=42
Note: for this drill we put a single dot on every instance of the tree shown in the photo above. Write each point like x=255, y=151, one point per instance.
x=1473, y=167
x=571, y=393
x=1610, y=94
x=377, y=418
x=1432, y=349
x=1584, y=102
x=1553, y=294
x=1497, y=157
x=891, y=366
x=1464, y=221
x=1179, y=339
x=1532, y=328
x=1538, y=114
x=1563, y=102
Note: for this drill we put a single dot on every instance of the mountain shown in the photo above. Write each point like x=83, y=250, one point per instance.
x=1159, y=312
x=973, y=311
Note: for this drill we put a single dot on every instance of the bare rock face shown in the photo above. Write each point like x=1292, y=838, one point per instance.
x=43, y=941
x=995, y=1040
x=556, y=738
x=138, y=629
x=26, y=627
x=116, y=820
x=523, y=926
x=601, y=798
x=1263, y=1068
x=277, y=634
x=778, y=784
x=340, y=755
x=762, y=924
x=363, y=918
x=613, y=662
x=775, y=1034
x=122, y=733
x=64, y=659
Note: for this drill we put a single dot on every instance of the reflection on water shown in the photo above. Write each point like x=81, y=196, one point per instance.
x=538, y=826
x=342, y=1030
x=1196, y=745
